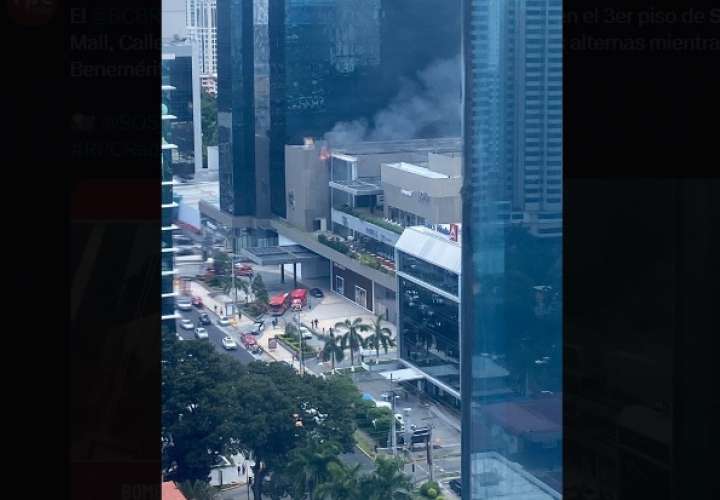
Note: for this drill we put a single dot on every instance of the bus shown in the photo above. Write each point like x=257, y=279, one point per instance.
x=279, y=304
x=298, y=298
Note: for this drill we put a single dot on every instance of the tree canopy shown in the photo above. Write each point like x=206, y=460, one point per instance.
x=213, y=405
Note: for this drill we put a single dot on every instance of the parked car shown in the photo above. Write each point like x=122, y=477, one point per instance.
x=185, y=250
x=197, y=302
x=456, y=486
x=223, y=321
x=317, y=293
x=184, y=304
x=204, y=319
x=249, y=340
x=228, y=343
x=201, y=333
x=186, y=324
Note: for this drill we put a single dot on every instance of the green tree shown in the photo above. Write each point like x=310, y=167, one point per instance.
x=352, y=339
x=380, y=337
x=343, y=482
x=308, y=466
x=387, y=481
x=198, y=490
x=222, y=264
x=332, y=350
x=259, y=290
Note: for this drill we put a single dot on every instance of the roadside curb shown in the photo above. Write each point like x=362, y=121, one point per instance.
x=365, y=453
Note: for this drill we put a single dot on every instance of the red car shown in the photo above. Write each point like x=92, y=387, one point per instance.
x=249, y=340
x=197, y=302
x=243, y=270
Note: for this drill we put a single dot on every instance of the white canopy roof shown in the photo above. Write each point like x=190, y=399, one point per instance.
x=431, y=246
x=403, y=375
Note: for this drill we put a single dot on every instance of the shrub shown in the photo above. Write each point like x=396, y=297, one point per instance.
x=430, y=489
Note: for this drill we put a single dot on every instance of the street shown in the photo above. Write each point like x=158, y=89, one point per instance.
x=215, y=335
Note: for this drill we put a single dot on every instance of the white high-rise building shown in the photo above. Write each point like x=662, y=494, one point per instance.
x=202, y=30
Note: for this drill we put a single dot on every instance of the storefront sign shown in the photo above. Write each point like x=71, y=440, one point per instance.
x=454, y=232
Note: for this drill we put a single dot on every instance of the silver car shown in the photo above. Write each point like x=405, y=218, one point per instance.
x=201, y=333
x=186, y=324
x=184, y=305
x=223, y=321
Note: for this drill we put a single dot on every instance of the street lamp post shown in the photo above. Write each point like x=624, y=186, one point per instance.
x=296, y=320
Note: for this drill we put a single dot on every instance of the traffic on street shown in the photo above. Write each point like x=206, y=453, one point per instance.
x=214, y=334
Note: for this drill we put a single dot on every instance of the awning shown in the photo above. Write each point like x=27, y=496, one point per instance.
x=285, y=254
x=403, y=375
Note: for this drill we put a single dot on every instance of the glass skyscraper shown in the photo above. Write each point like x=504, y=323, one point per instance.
x=236, y=110
x=168, y=208
x=512, y=248
x=316, y=63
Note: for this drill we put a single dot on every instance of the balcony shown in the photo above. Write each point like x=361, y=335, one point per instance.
x=356, y=251
x=365, y=215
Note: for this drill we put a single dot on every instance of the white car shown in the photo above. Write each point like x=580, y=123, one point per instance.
x=228, y=343
x=306, y=334
x=184, y=305
x=223, y=321
x=186, y=324
x=201, y=333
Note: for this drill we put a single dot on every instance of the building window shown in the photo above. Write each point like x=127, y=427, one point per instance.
x=429, y=273
x=340, y=285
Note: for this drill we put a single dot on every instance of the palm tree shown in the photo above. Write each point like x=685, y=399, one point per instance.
x=198, y=490
x=352, y=339
x=388, y=482
x=332, y=351
x=342, y=482
x=309, y=465
x=381, y=337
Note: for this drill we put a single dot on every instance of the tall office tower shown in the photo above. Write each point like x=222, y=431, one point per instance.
x=179, y=69
x=512, y=271
x=168, y=208
x=236, y=111
x=201, y=18
x=335, y=61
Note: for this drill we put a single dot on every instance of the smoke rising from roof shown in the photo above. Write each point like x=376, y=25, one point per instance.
x=428, y=107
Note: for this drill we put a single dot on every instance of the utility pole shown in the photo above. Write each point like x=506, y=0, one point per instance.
x=296, y=320
x=232, y=273
x=393, y=427
x=428, y=447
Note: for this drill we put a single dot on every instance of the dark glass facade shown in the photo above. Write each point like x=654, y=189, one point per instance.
x=512, y=273
x=178, y=73
x=429, y=273
x=430, y=326
x=236, y=108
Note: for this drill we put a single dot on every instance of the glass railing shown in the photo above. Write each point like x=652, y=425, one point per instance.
x=358, y=253
x=372, y=219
